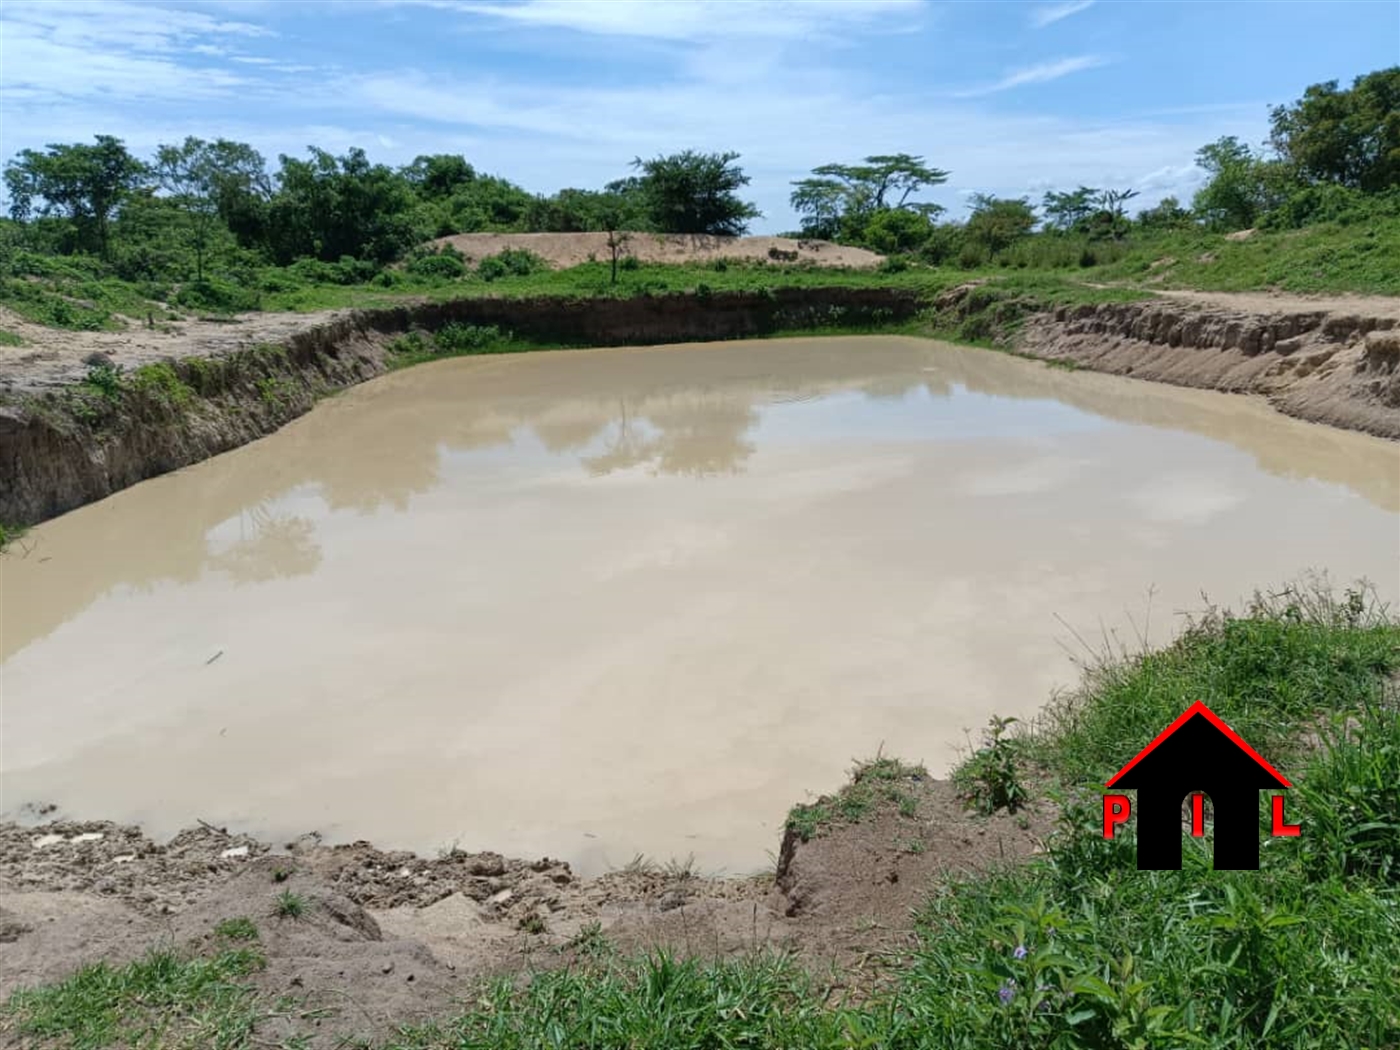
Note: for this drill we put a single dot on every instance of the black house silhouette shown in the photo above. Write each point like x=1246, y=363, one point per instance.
x=1198, y=752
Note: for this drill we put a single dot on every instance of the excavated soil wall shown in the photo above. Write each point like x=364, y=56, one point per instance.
x=74, y=445
x=1323, y=366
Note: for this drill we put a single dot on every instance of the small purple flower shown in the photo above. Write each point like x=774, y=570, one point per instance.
x=1050, y=931
x=1007, y=992
x=1020, y=952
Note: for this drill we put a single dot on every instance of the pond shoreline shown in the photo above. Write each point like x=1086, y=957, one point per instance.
x=79, y=435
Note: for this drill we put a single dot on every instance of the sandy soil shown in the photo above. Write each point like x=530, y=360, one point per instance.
x=563, y=250
x=1283, y=302
x=394, y=937
x=53, y=357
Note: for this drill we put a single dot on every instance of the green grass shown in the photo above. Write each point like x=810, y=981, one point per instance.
x=1074, y=950
x=873, y=783
x=240, y=929
x=289, y=905
x=1326, y=258
x=162, y=1000
x=8, y=338
x=10, y=534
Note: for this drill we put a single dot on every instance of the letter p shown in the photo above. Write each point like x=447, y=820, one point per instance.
x=1116, y=809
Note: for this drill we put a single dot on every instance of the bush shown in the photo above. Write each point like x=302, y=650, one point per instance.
x=455, y=338
x=218, y=296
x=510, y=262
x=991, y=778
x=439, y=267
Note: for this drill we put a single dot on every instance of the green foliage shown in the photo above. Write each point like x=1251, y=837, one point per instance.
x=219, y=297
x=1242, y=184
x=160, y=382
x=240, y=929
x=456, y=338
x=9, y=534
x=328, y=207
x=105, y=378
x=656, y=1001
x=844, y=201
x=510, y=262
x=693, y=192
x=445, y=267
x=84, y=184
x=8, y=338
x=289, y=905
x=1265, y=673
x=991, y=778
x=875, y=782
x=1351, y=798
x=1347, y=137
x=997, y=223
x=160, y=1000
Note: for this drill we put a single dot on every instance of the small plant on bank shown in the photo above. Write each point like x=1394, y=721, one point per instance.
x=533, y=924
x=878, y=781
x=239, y=929
x=991, y=778
x=105, y=378
x=290, y=905
x=281, y=874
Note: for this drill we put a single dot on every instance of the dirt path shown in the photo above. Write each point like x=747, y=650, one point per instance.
x=390, y=938
x=1282, y=302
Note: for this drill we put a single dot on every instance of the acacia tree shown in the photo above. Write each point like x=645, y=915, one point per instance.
x=840, y=200
x=83, y=183
x=691, y=192
x=1070, y=211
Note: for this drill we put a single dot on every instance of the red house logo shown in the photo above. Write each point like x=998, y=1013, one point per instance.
x=1196, y=755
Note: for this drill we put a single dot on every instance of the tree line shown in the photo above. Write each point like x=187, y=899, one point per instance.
x=168, y=216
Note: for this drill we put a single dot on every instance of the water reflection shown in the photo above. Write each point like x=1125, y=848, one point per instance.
x=254, y=514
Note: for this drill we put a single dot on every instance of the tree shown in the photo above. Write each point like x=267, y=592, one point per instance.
x=329, y=207
x=83, y=183
x=1351, y=137
x=1235, y=193
x=1168, y=214
x=438, y=175
x=209, y=181
x=1111, y=206
x=1070, y=211
x=895, y=230
x=840, y=200
x=691, y=192
x=996, y=223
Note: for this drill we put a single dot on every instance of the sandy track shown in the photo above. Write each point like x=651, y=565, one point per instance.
x=570, y=249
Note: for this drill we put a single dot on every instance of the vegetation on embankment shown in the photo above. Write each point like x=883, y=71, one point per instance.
x=1075, y=948
x=99, y=237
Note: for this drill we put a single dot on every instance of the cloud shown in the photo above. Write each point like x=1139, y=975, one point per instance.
x=1048, y=14
x=1040, y=73
x=692, y=20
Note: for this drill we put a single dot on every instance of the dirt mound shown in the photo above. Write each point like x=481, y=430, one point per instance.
x=381, y=938
x=563, y=250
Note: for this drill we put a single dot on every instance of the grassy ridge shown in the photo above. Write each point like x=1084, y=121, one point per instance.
x=1076, y=949
x=1327, y=258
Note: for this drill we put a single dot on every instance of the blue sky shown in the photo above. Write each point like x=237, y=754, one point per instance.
x=1012, y=98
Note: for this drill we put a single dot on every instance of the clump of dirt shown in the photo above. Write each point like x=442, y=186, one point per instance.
x=562, y=250
x=380, y=938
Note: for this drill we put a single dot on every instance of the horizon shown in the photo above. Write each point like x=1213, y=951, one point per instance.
x=1027, y=97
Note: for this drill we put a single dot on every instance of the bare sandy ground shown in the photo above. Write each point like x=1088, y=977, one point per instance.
x=563, y=250
x=393, y=938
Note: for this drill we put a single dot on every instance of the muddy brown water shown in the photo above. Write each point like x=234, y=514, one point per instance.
x=595, y=603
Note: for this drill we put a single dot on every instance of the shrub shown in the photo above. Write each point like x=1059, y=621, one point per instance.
x=218, y=296
x=455, y=338
x=510, y=262
x=441, y=267
x=991, y=778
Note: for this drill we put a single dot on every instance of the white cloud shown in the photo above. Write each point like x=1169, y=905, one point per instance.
x=691, y=20
x=1041, y=73
x=1048, y=14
